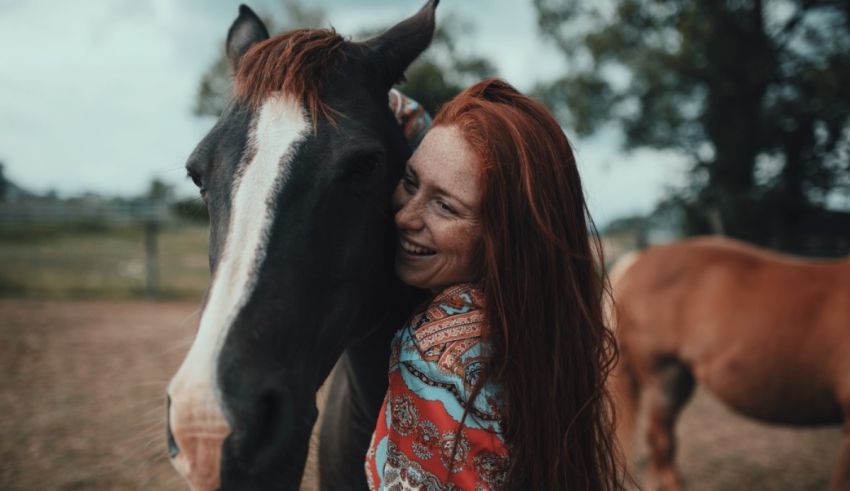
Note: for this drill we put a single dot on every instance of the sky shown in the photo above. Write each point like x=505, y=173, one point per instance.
x=97, y=95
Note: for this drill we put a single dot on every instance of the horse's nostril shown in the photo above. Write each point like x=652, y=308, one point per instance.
x=173, y=449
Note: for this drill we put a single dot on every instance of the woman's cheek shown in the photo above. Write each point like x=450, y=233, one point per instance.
x=472, y=246
x=462, y=239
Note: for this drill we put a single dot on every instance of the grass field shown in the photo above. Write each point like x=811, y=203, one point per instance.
x=83, y=261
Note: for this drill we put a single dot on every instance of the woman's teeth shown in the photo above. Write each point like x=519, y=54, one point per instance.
x=414, y=249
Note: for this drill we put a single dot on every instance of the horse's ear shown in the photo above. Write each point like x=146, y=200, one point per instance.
x=246, y=30
x=395, y=49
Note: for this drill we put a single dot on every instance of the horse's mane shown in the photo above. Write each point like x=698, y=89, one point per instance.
x=295, y=63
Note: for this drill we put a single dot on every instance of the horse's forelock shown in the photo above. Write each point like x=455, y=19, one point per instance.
x=296, y=63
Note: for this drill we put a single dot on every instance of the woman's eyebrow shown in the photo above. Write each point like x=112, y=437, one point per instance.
x=440, y=190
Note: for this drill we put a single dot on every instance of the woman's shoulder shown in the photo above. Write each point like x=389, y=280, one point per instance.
x=443, y=350
x=449, y=331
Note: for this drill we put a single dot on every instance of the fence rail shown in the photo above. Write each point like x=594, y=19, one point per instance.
x=69, y=212
x=151, y=214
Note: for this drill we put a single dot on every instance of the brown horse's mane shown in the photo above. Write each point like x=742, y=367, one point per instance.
x=296, y=63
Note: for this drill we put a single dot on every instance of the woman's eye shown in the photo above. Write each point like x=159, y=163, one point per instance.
x=445, y=207
x=408, y=183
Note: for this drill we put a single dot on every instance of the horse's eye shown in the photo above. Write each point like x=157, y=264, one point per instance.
x=361, y=167
x=196, y=178
x=365, y=167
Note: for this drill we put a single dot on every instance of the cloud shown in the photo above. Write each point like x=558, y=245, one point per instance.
x=98, y=100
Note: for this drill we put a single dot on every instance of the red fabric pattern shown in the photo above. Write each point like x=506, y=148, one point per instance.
x=415, y=444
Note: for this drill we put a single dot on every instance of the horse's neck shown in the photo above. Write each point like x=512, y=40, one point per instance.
x=369, y=357
x=358, y=385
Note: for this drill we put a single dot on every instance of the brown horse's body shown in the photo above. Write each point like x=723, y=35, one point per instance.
x=768, y=334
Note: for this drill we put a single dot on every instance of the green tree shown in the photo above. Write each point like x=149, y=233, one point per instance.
x=3, y=182
x=754, y=92
x=160, y=191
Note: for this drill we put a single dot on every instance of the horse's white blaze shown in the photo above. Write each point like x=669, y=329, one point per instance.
x=279, y=126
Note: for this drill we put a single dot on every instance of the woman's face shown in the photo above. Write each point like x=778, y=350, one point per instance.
x=438, y=203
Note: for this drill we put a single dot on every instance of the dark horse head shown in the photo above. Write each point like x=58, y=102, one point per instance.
x=297, y=176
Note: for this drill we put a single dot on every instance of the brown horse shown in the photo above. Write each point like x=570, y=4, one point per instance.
x=768, y=334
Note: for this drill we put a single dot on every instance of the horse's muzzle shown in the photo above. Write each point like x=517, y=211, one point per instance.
x=196, y=430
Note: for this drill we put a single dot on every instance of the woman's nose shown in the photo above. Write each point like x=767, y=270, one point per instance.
x=409, y=216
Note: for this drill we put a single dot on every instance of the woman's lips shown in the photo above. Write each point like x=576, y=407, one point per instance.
x=414, y=249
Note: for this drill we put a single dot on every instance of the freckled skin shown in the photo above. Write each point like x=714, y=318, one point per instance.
x=438, y=207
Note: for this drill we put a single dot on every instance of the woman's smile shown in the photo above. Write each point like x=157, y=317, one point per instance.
x=414, y=249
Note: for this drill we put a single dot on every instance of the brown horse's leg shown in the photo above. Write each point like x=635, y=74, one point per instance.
x=625, y=391
x=841, y=477
x=668, y=389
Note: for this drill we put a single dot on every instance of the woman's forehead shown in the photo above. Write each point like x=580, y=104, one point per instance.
x=445, y=160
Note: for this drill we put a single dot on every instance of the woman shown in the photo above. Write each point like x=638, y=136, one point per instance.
x=500, y=381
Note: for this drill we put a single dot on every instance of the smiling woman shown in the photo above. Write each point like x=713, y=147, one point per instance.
x=499, y=382
x=438, y=217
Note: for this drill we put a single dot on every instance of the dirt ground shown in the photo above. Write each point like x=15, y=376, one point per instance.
x=82, y=393
x=82, y=405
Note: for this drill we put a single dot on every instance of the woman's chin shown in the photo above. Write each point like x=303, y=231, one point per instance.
x=410, y=275
x=409, y=279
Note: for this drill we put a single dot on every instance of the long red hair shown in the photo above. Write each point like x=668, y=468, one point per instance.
x=543, y=286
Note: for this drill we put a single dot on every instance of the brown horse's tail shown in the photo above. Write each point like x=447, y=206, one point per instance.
x=623, y=385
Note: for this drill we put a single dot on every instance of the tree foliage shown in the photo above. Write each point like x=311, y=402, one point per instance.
x=3, y=182
x=159, y=191
x=754, y=92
